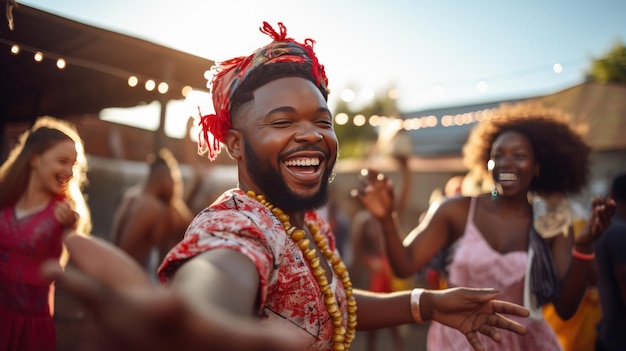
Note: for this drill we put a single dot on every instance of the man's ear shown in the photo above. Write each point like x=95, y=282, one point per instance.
x=234, y=143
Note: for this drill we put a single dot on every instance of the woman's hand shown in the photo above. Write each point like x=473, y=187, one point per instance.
x=601, y=212
x=375, y=192
x=65, y=215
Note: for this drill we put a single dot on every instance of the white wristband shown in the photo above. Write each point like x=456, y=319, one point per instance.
x=415, y=305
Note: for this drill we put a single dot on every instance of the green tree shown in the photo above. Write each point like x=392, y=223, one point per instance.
x=612, y=67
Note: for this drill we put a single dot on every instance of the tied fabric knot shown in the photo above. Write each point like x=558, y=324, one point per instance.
x=208, y=142
x=229, y=75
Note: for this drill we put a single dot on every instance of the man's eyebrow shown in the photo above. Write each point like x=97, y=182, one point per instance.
x=291, y=109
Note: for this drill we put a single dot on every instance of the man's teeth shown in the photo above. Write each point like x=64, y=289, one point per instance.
x=507, y=176
x=303, y=162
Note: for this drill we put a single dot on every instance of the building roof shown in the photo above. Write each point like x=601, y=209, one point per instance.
x=440, y=139
x=601, y=106
x=99, y=63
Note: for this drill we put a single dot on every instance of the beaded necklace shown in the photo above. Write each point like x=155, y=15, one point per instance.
x=342, y=337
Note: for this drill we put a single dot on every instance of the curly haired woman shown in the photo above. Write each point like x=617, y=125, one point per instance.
x=526, y=150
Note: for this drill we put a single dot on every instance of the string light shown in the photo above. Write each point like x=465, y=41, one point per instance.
x=416, y=123
x=163, y=88
x=150, y=84
x=133, y=81
x=359, y=120
x=62, y=62
x=341, y=118
x=186, y=90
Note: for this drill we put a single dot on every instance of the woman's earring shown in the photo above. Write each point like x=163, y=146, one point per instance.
x=494, y=192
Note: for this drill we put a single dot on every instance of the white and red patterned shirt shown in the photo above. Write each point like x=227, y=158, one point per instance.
x=289, y=295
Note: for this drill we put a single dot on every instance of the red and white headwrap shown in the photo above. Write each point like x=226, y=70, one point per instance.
x=230, y=73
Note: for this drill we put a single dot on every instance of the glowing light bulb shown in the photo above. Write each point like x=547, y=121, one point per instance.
x=133, y=81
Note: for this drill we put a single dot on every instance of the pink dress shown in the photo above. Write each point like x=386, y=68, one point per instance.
x=477, y=265
x=289, y=296
x=25, y=319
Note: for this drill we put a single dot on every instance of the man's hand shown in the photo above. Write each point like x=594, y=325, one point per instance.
x=473, y=311
x=137, y=315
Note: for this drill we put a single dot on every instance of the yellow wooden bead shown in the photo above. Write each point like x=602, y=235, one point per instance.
x=321, y=280
x=339, y=338
x=319, y=272
x=340, y=268
x=304, y=244
x=338, y=346
x=298, y=235
x=310, y=254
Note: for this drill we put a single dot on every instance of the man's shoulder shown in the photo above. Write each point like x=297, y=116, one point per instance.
x=616, y=230
x=232, y=208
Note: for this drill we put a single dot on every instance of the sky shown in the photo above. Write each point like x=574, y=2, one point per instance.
x=433, y=53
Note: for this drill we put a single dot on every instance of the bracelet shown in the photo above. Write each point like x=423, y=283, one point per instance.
x=415, y=305
x=582, y=256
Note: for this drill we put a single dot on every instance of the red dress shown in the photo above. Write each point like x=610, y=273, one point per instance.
x=25, y=315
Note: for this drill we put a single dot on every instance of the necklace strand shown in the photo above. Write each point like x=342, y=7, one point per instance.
x=342, y=337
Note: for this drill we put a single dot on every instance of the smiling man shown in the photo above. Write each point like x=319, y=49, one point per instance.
x=260, y=250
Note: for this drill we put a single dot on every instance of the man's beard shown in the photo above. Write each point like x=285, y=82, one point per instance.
x=275, y=189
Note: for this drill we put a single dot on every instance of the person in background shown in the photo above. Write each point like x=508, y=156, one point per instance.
x=610, y=252
x=152, y=216
x=524, y=149
x=371, y=268
x=41, y=202
x=435, y=274
x=334, y=213
x=260, y=253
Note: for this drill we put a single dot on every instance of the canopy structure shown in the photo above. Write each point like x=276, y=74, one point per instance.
x=98, y=66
